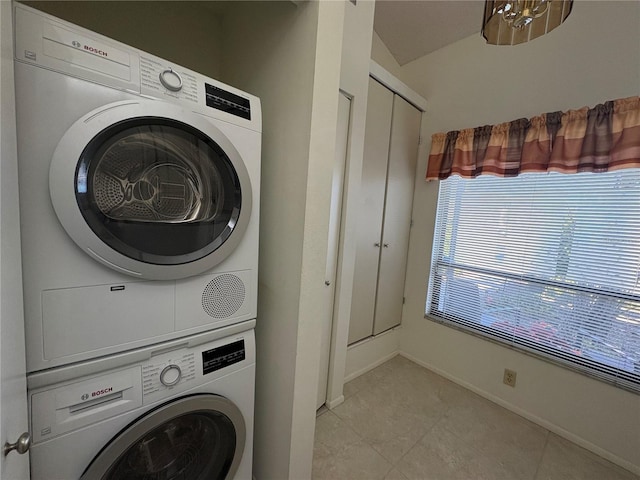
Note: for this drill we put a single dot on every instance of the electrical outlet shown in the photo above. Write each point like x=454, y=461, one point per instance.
x=509, y=377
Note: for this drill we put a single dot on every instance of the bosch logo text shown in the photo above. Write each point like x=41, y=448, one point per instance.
x=102, y=391
x=95, y=50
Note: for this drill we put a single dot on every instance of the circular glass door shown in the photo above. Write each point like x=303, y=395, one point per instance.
x=158, y=191
x=200, y=437
x=151, y=190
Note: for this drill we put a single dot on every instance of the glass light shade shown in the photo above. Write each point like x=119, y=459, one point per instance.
x=510, y=22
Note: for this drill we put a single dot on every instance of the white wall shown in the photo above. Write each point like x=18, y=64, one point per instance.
x=593, y=57
x=289, y=56
x=383, y=57
x=315, y=299
x=280, y=71
x=354, y=81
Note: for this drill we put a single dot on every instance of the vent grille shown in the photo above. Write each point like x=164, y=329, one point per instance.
x=223, y=296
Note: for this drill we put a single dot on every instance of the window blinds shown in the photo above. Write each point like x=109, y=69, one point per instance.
x=545, y=262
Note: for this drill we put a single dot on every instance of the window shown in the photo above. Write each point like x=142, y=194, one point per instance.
x=547, y=263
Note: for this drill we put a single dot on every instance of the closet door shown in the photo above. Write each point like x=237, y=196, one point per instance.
x=403, y=152
x=374, y=173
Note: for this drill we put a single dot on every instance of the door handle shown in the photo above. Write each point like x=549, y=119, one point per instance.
x=21, y=446
x=377, y=244
x=385, y=245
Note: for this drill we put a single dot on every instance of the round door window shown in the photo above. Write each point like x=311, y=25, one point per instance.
x=195, y=446
x=200, y=437
x=158, y=191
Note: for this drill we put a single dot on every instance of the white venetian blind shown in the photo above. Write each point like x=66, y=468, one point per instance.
x=548, y=263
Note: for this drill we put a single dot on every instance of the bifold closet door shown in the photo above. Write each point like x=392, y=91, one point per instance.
x=403, y=152
x=374, y=177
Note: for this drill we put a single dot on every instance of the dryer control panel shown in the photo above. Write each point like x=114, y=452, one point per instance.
x=55, y=44
x=167, y=80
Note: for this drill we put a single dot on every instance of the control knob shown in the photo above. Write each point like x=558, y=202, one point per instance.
x=170, y=375
x=171, y=80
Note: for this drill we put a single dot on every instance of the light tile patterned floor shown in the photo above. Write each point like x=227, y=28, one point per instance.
x=402, y=422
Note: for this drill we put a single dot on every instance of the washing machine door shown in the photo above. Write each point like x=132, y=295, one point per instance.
x=200, y=437
x=150, y=189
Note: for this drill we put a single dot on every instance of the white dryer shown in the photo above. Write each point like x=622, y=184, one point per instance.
x=178, y=410
x=139, y=189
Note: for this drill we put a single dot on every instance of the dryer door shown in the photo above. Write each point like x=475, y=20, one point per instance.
x=150, y=190
x=200, y=437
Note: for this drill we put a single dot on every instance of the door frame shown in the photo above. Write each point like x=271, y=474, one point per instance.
x=335, y=242
x=13, y=385
x=347, y=363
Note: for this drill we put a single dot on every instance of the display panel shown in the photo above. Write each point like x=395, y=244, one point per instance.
x=222, y=357
x=227, y=102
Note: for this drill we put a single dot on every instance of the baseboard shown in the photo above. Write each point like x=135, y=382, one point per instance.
x=529, y=416
x=331, y=404
x=370, y=367
x=371, y=352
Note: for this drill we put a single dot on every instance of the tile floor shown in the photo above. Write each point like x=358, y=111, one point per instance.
x=402, y=422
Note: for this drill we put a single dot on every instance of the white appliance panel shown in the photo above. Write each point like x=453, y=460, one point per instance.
x=57, y=45
x=63, y=409
x=207, y=300
x=116, y=316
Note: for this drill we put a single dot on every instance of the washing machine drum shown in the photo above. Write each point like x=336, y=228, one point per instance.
x=200, y=437
x=150, y=189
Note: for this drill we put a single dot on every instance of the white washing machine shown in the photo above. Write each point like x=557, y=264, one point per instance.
x=139, y=188
x=178, y=410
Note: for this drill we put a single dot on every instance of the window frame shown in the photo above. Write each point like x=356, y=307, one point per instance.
x=512, y=342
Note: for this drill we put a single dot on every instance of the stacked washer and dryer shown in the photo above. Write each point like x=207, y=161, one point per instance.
x=139, y=187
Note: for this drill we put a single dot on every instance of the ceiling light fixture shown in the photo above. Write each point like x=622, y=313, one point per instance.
x=509, y=22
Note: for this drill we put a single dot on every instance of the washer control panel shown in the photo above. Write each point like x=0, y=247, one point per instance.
x=167, y=371
x=154, y=375
x=223, y=356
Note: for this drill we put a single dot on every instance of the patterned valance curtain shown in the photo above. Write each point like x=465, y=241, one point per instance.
x=599, y=139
